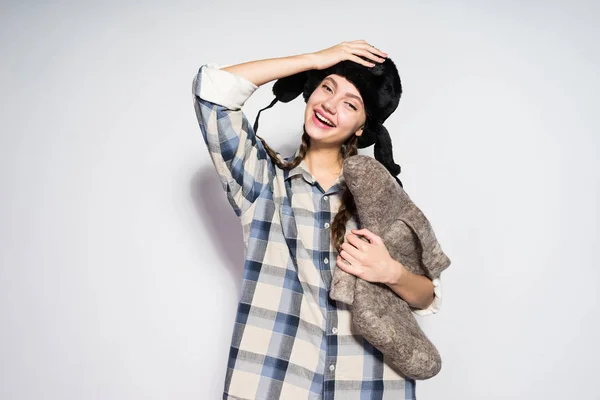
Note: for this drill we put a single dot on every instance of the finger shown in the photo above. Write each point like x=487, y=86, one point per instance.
x=352, y=251
x=357, y=242
x=379, y=52
x=344, y=266
x=362, y=232
x=373, y=238
x=365, y=52
x=360, y=61
x=366, y=46
x=375, y=50
x=349, y=268
x=349, y=257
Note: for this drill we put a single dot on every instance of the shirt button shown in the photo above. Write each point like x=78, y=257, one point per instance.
x=331, y=367
x=326, y=225
x=325, y=198
x=334, y=330
x=326, y=261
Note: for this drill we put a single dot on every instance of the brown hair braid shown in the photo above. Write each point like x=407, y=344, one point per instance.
x=347, y=207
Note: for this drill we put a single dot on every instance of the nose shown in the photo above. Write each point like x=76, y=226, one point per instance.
x=329, y=105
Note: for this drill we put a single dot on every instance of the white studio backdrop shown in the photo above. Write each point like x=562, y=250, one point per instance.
x=121, y=260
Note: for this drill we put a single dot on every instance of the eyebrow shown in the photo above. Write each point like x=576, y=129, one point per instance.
x=347, y=93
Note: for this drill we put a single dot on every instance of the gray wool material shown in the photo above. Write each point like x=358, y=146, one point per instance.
x=382, y=317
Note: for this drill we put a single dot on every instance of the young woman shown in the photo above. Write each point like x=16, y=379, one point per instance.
x=290, y=340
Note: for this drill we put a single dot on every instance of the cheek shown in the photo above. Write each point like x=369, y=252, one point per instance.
x=309, y=109
x=349, y=119
x=310, y=104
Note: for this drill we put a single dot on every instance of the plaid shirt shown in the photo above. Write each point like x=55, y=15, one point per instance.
x=290, y=340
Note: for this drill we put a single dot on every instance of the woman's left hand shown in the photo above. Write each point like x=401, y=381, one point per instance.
x=369, y=261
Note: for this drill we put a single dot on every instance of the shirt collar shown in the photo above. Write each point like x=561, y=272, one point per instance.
x=302, y=169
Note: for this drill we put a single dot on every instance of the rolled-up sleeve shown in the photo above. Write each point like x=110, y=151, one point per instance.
x=240, y=159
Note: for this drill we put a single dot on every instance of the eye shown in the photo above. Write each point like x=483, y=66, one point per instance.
x=352, y=105
x=328, y=88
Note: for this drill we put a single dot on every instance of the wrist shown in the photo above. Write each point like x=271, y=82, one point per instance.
x=308, y=61
x=397, y=272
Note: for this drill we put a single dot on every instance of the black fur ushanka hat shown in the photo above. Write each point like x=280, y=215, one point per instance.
x=379, y=87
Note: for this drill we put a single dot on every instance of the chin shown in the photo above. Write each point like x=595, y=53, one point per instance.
x=315, y=133
x=318, y=136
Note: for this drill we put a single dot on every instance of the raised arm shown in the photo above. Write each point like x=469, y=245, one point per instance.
x=260, y=72
x=243, y=166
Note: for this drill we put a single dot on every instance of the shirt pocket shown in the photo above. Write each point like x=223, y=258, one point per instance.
x=288, y=221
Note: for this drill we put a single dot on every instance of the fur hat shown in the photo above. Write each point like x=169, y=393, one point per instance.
x=379, y=87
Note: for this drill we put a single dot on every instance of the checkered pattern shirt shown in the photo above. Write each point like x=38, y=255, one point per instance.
x=290, y=340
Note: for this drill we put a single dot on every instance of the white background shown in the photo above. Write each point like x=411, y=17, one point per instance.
x=121, y=258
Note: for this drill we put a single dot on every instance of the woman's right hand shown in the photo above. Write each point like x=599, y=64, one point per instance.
x=348, y=51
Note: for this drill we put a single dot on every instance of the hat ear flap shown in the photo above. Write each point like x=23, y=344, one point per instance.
x=383, y=149
x=288, y=88
x=368, y=136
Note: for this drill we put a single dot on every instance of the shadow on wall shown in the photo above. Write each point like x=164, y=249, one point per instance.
x=225, y=231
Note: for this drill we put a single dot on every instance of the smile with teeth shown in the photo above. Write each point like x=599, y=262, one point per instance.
x=324, y=120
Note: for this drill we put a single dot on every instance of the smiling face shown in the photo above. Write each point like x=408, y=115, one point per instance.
x=334, y=111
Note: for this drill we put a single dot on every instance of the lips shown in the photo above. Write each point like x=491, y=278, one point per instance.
x=318, y=122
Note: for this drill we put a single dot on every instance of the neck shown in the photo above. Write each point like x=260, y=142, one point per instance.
x=325, y=160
